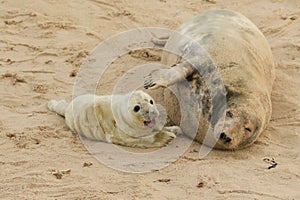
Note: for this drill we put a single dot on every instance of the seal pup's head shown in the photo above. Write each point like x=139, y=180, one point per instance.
x=143, y=109
x=137, y=114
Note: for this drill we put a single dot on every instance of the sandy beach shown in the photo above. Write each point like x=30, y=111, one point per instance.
x=42, y=47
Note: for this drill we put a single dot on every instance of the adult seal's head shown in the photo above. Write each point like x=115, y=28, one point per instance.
x=241, y=128
x=136, y=114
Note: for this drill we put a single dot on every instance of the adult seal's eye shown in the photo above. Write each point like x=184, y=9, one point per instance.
x=151, y=102
x=229, y=114
x=136, y=108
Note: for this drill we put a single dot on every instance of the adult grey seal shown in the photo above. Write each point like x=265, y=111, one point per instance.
x=244, y=62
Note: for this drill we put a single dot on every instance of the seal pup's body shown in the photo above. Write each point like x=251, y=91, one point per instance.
x=128, y=120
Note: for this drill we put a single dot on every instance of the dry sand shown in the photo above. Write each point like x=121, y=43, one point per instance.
x=43, y=43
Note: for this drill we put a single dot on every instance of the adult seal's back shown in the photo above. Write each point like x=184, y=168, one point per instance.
x=243, y=60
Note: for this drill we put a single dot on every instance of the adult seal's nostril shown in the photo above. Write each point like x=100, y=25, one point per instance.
x=225, y=138
x=222, y=136
x=228, y=140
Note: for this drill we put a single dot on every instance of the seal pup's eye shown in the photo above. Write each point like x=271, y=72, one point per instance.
x=151, y=102
x=136, y=108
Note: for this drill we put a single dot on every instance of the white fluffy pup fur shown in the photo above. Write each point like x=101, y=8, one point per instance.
x=128, y=120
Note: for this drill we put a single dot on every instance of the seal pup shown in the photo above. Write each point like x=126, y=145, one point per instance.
x=243, y=59
x=129, y=120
